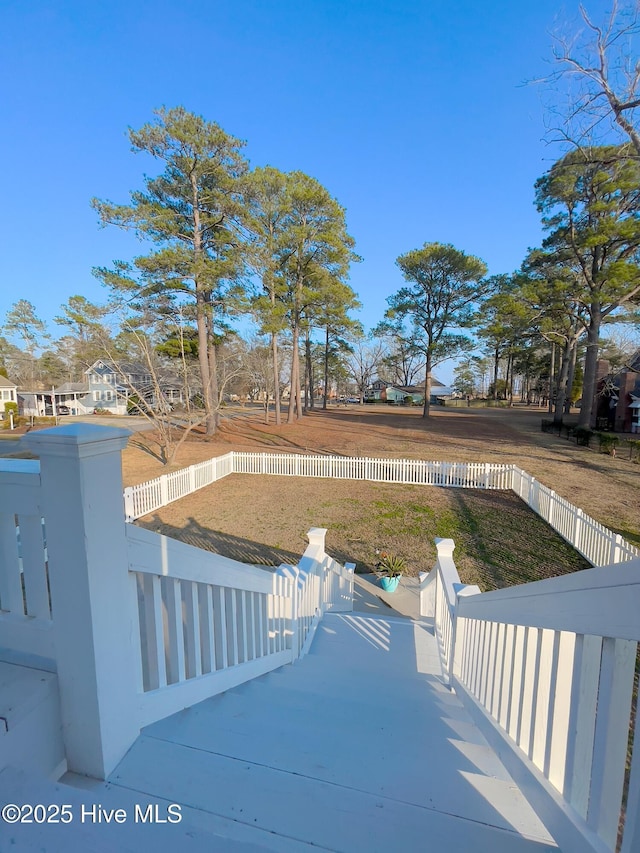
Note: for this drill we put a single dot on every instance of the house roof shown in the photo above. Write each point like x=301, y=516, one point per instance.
x=71, y=388
x=6, y=383
x=634, y=361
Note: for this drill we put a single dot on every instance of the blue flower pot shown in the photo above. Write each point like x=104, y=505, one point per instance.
x=389, y=584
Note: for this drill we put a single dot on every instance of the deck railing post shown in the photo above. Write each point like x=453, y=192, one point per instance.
x=95, y=645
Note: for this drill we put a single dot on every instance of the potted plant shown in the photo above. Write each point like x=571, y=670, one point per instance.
x=390, y=568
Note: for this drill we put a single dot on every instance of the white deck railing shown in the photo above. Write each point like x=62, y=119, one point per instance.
x=207, y=623
x=552, y=665
x=593, y=540
x=25, y=610
x=136, y=625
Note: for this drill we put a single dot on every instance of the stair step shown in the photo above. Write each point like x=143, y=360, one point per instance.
x=30, y=724
x=96, y=832
x=302, y=810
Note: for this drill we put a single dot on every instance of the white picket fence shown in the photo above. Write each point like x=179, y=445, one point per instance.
x=593, y=540
x=146, y=497
x=547, y=670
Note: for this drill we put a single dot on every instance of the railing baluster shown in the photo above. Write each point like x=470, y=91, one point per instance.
x=34, y=573
x=584, y=698
x=611, y=736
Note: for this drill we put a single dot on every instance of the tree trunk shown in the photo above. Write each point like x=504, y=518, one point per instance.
x=202, y=320
x=203, y=361
x=571, y=376
x=308, y=396
x=552, y=370
x=496, y=360
x=293, y=378
x=563, y=378
x=276, y=379
x=589, y=401
x=427, y=387
x=326, y=368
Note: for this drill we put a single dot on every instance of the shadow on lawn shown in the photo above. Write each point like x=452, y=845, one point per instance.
x=234, y=547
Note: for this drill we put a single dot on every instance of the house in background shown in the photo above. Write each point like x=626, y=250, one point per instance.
x=113, y=388
x=402, y=395
x=617, y=397
x=8, y=392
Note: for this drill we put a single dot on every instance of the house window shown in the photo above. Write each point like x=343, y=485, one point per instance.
x=107, y=395
x=96, y=396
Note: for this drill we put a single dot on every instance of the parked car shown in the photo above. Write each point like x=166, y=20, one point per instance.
x=63, y=410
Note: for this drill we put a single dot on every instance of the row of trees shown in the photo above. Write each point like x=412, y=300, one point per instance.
x=228, y=240
x=225, y=241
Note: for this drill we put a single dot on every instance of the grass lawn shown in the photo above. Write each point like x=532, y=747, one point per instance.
x=260, y=519
x=499, y=541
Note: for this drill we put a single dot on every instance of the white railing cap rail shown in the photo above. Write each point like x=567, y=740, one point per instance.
x=604, y=601
x=153, y=553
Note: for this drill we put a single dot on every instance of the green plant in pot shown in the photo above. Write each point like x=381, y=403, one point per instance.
x=390, y=568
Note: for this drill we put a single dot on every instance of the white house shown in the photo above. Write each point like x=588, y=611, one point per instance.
x=8, y=392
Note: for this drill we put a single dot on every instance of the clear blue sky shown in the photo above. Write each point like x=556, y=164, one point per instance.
x=413, y=113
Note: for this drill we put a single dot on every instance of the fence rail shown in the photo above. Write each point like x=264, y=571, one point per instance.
x=552, y=664
x=593, y=540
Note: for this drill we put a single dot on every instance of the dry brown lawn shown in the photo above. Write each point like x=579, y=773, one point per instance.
x=262, y=519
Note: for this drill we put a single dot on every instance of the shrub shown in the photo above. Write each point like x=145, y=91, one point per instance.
x=583, y=435
x=634, y=448
x=607, y=442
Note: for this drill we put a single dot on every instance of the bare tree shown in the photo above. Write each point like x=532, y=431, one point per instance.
x=363, y=362
x=600, y=76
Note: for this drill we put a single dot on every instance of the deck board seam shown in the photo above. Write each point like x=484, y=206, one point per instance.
x=338, y=785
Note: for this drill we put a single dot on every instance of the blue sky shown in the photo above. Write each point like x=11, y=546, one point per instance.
x=415, y=114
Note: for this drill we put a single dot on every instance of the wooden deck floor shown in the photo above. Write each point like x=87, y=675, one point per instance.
x=358, y=747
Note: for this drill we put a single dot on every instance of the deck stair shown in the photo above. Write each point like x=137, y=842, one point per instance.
x=360, y=746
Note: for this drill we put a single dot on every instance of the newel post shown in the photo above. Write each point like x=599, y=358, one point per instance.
x=95, y=645
x=315, y=550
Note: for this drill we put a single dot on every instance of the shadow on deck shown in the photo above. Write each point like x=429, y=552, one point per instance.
x=359, y=746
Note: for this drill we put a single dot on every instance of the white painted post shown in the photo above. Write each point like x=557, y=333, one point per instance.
x=576, y=529
x=164, y=490
x=616, y=548
x=292, y=573
x=129, y=511
x=427, y=589
x=456, y=652
x=92, y=610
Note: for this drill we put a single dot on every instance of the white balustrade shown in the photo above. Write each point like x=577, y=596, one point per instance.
x=25, y=608
x=208, y=623
x=552, y=665
x=136, y=625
